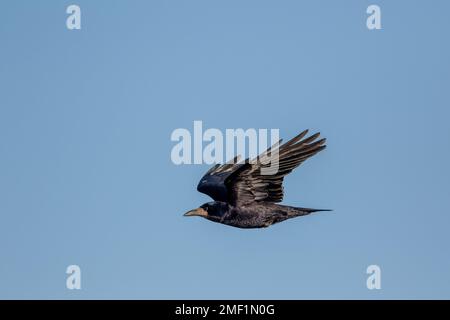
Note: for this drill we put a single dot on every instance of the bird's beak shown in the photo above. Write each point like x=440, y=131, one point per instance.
x=196, y=212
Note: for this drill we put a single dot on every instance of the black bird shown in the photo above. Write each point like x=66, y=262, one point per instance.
x=245, y=196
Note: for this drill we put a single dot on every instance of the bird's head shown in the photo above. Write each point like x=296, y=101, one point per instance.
x=208, y=210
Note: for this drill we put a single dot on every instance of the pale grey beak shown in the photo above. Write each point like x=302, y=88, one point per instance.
x=196, y=212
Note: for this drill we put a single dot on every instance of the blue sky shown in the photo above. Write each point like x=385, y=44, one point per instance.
x=86, y=176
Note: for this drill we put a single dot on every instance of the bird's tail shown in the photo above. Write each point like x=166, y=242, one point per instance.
x=287, y=212
x=314, y=210
x=299, y=211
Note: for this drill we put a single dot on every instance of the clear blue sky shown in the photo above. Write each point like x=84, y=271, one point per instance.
x=85, y=170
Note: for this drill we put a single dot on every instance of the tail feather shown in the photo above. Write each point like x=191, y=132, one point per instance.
x=298, y=211
x=288, y=212
x=312, y=210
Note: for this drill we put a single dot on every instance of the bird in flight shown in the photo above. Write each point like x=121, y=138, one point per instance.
x=246, y=197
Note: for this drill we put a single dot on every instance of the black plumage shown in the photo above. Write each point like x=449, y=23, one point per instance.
x=246, y=193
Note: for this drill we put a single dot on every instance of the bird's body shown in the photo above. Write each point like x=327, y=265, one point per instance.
x=258, y=215
x=246, y=194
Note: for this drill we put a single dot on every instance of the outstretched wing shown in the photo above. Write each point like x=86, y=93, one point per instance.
x=254, y=182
